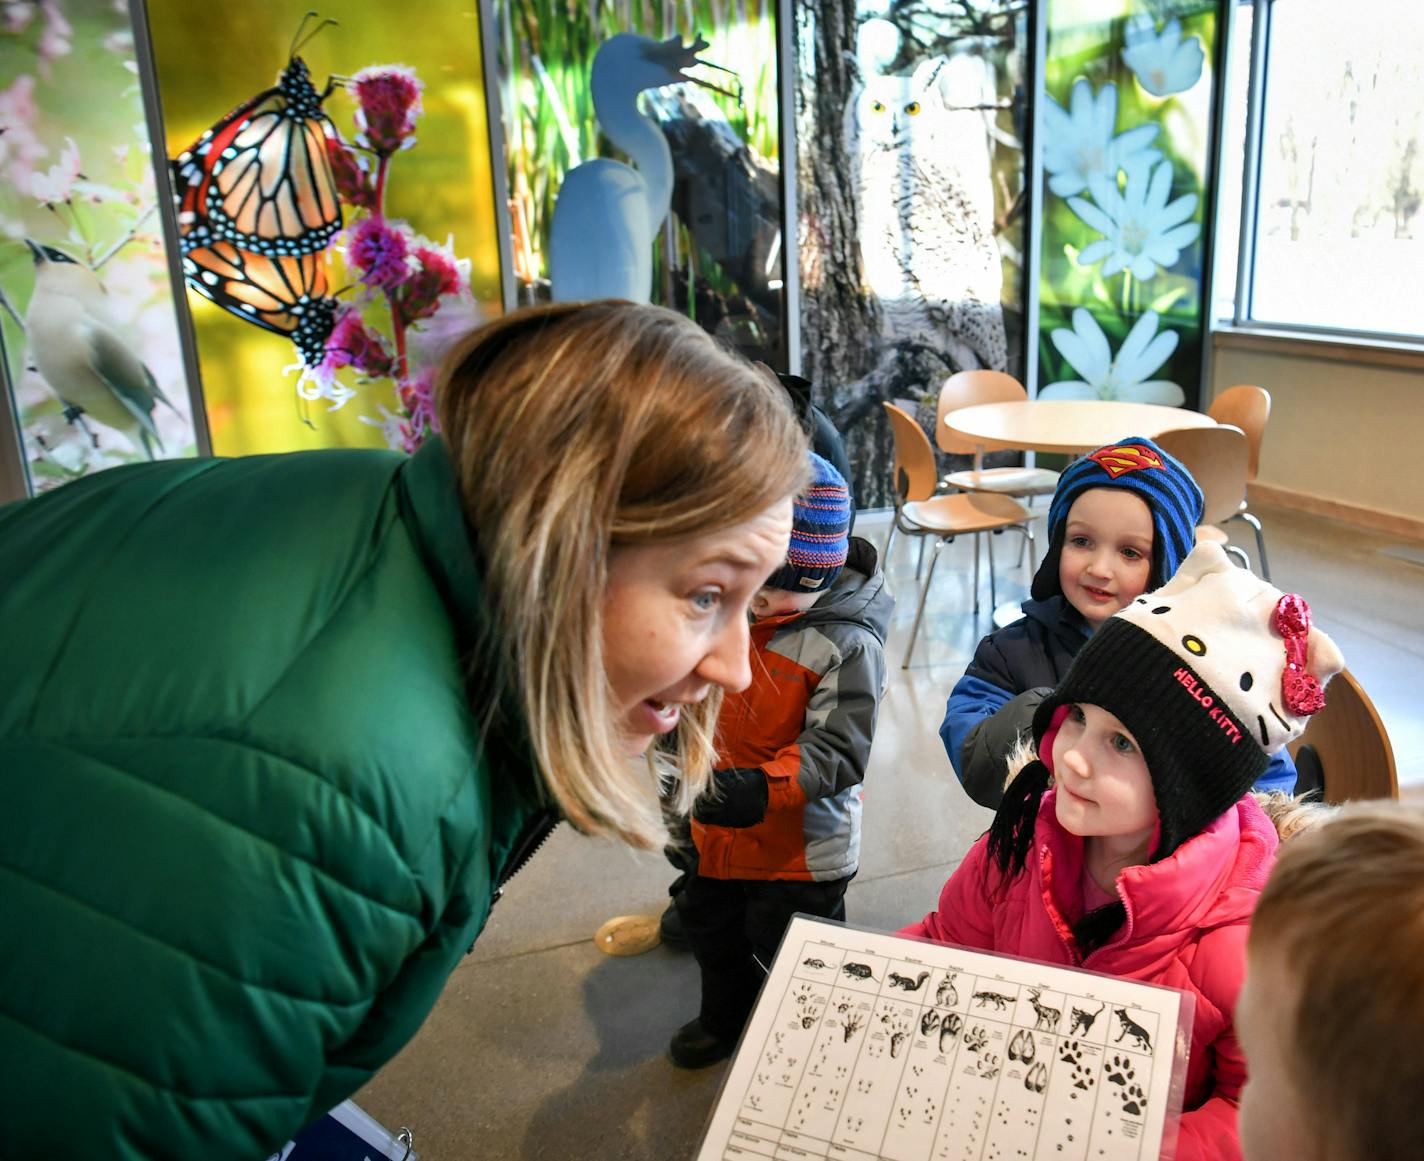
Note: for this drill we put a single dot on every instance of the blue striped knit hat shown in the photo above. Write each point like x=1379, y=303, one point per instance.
x=820, y=521
x=1141, y=467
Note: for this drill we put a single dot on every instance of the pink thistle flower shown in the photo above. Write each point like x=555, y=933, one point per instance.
x=417, y=398
x=436, y=276
x=380, y=251
x=389, y=104
x=350, y=344
x=353, y=183
x=353, y=344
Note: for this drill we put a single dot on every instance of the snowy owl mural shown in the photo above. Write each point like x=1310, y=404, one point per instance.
x=921, y=149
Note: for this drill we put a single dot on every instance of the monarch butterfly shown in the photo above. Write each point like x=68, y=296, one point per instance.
x=261, y=178
x=285, y=293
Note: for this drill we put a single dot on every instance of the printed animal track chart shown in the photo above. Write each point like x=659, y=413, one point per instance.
x=865, y=1046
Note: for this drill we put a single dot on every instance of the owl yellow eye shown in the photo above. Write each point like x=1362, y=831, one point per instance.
x=912, y=108
x=877, y=106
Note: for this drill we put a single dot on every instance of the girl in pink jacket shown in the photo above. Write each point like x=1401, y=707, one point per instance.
x=1130, y=845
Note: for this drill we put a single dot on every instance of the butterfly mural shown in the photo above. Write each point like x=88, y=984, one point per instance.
x=258, y=206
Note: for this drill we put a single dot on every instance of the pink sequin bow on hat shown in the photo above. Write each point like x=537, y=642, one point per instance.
x=1301, y=692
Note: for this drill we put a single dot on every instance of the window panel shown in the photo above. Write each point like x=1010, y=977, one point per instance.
x=1340, y=222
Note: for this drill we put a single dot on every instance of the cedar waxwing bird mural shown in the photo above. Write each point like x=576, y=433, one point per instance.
x=82, y=357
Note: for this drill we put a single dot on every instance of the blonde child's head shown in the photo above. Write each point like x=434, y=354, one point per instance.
x=1121, y=521
x=1332, y=1014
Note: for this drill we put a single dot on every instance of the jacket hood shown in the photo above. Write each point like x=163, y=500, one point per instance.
x=1056, y=615
x=858, y=596
x=429, y=497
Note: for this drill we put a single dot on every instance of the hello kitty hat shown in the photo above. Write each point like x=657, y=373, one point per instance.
x=1211, y=673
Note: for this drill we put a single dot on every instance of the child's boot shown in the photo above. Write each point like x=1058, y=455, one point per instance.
x=693, y=1046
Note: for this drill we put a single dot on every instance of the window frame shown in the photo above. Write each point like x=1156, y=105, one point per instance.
x=1400, y=348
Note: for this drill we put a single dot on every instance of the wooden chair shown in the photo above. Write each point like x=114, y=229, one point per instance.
x=1217, y=458
x=965, y=389
x=1351, y=744
x=1248, y=407
x=921, y=511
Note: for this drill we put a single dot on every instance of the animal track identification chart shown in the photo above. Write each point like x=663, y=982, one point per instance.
x=865, y=1045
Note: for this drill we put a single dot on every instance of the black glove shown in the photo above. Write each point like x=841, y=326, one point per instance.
x=737, y=797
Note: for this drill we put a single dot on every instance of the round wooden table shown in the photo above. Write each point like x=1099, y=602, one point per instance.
x=1071, y=426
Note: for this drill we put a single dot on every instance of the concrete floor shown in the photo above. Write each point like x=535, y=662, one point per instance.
x=543, y=1047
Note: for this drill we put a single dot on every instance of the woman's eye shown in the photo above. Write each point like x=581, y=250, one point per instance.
x=1122, y=745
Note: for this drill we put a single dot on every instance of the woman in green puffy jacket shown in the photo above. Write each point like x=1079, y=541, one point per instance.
x=274, y=730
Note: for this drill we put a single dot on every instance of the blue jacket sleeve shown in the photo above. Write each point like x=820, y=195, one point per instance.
x=1279, y=775
x=971, y=701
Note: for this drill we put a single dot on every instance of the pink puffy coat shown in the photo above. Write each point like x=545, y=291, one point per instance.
x=1187, y=919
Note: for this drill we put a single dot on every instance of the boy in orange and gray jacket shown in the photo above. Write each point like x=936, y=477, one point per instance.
x=780, y=832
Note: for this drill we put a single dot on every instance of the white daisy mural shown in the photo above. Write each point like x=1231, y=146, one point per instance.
x=1129, y=105
x=1081, y=142
x=1161, y=60
x=1123, y=375
x=1142, y=231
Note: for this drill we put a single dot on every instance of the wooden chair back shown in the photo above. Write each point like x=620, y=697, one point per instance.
x=916, y=475
x=1351, y=743
x=965, y=389
x=1248, y=407
x=1217, y=458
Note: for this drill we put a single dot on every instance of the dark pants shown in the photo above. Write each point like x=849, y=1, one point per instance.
x=734, y=926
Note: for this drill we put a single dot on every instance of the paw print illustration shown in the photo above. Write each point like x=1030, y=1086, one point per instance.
x=976, y=1038
x=1122, y=1074
x=1134, y=1100
x=1121, y=1070
x=988, y=1065
x=1070, y=1052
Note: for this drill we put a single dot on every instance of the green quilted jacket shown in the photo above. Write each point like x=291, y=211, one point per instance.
x=248, y=825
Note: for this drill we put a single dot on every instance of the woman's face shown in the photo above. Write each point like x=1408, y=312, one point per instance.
x=675, y=619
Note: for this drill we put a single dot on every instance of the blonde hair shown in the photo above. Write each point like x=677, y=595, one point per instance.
x=1343, y=913
x=1290, y=814
x=573, y=429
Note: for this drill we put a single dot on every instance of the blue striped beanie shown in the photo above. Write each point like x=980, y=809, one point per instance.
x=820, y=522
x=1141, y=467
